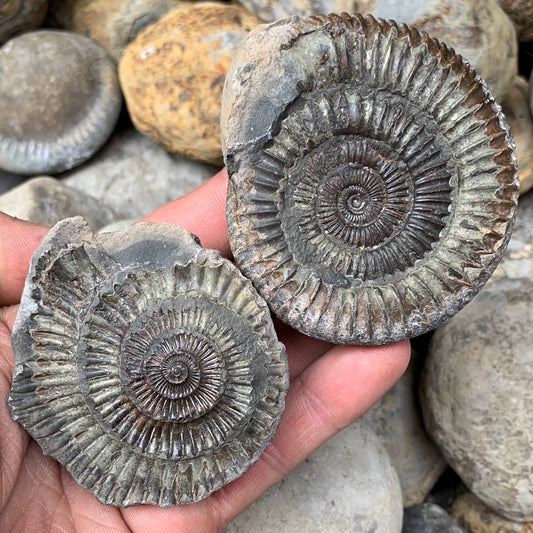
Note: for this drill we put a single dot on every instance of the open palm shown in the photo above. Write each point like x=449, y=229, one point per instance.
x=330, y=387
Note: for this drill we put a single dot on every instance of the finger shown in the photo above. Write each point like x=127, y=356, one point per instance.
x=302, y=350
x=202, y=212
x=323, y=400
x=18, y=240
x=334, y=391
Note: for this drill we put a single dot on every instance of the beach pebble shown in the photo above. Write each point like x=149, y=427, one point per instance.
x=112, y=23
x=515, y=107
x=46, y=200
x=59, y=101
x=429, y=518
x=346, y=485
x=134, y=176
x=476, y=388
x=172, y=76
x=521, y=13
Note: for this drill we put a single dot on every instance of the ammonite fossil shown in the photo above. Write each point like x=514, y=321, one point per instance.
x=372, y=176
x=145, y=364
x=59, y=101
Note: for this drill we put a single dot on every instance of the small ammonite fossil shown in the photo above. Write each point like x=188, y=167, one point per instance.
x=145, y=364
x=373, y=179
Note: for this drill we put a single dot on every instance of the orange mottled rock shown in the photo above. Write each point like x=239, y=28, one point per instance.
x=172, y=76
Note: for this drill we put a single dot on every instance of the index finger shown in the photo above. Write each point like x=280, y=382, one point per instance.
x=18, y=240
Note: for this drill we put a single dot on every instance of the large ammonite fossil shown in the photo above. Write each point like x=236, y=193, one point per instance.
x=148, y=366
x=372, y=176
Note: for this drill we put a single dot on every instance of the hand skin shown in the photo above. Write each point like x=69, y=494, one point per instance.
x=331, y=386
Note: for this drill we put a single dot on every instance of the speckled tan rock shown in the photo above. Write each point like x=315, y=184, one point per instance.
x=515, y=107
x=472, y=514
x=17, y=16
x=478, y=30
x=172, y=76
x=112, y=23
x=521, y=13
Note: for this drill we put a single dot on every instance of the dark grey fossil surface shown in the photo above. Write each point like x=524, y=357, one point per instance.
x=373, y=182
x=145, y=364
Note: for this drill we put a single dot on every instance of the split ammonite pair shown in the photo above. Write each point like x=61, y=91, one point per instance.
x=372, y=189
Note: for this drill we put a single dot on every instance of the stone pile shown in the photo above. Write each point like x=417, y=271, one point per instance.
x=465, y=402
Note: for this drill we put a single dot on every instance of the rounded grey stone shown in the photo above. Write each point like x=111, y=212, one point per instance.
x=477, y=395
x=46, y=200
x=472, y=514
x=346, y=485
x=134, y=176
x=59, y=101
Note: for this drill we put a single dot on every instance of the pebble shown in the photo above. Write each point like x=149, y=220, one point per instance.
x=480, y=31
x=472, y=514
x=172, y=76
x=397, y=420
x=515, y=107
x=17, y=16
x=134, y=176
x=46, y=200
x=346, y=485
x=521, y=13
x=271, y=10
x=112, y=23
x=59, y=101
x=429, y=518
x=476, y=389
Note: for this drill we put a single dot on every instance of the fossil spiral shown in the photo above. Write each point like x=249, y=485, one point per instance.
x=148, y=366
x=373, y=179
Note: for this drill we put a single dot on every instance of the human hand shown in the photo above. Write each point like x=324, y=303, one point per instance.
x=330, y=387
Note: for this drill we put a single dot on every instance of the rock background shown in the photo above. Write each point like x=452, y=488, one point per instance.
x=134, y=176
x=348, y=484
x=353, y=482
x=397, y=420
